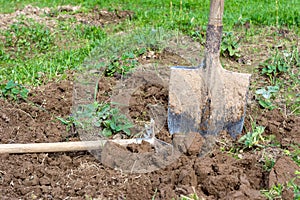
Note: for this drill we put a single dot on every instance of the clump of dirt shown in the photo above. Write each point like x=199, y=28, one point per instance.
x=28, y=11
x=49, y=16
x=285, y=128
x=283, y=171
x=140, y=148
x=147, y=94
x=101, y=17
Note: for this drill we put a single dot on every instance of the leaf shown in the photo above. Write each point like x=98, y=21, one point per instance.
x=273, y=89
x=24, y=93
x=10, y=84
x=106, y=132
x=266, y=94
x=62, y=120
x=260, y=91
x=113, y=126
x=97, y=124
x=266, y=104
x=127, y=131
x=15, y=91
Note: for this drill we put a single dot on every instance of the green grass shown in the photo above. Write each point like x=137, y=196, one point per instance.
x=161, y=13
x=33, y=54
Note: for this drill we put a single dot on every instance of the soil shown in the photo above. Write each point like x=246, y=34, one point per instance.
x=216, y=175
x=49, y=17
x=79, y=175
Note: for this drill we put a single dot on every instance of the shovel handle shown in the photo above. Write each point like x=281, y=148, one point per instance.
x=216, y=12
x=214, y=28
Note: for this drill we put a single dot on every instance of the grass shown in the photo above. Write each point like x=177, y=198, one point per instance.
x=177, y=13
x=33, y=54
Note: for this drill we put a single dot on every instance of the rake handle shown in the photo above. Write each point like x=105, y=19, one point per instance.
x=64, y=146
x=215, y=26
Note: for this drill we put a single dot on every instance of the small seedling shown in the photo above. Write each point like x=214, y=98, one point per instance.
x=230, y=46
x=273, y=193
x=253, y=139
x=278, y=64
x=269, y=163
x=70, y=122
x=294, y=154
x=111, y=120
x=13, y=90
x=292, y=185
x=264, y=96
x=121, y=65
x=105, y=117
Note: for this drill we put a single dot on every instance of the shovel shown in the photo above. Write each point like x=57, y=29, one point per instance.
x=208, y=99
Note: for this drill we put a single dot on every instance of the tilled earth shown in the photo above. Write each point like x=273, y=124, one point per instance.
x=218, y=175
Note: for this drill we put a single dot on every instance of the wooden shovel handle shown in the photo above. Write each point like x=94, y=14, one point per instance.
x=216, y=12
x=214, y=28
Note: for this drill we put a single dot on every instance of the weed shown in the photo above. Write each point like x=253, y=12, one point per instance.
x=70, y=122
x=13, y=90
x=269, y=163
x=3, y=55
x=253, y=138
x=93, y=34
x=104, y=117
x=292, y=185
x=230, y=45
x=27, y=36
x=294, y=154
x=279, y=64
x=274, y=193
x=121, y=65
x=155, y=193
x=193, y=196
x=265, y=96
x=111, y=120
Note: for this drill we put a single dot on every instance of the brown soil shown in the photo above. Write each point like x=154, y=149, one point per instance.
x=217, y=175
x=49, y=17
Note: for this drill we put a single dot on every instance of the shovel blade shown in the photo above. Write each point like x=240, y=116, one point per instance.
x=207, y=105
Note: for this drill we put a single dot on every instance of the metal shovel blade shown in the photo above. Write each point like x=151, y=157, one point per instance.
x=208, y=99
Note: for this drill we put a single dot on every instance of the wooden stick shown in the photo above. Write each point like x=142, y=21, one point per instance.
x=64, y=146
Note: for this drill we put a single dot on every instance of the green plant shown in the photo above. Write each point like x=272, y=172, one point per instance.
x=230, y=45
x=93, y=34
x=292, y=185
x=13, y=90
x=121, y=65
x=265, y=96
x=190, y=197
x=294, y=154
x=27, y=35
x=274, y=192
x=269, y=163
x=105, y=117
x=253, y=139
x=70, y=122
x=111, y=120
x=279, y=64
